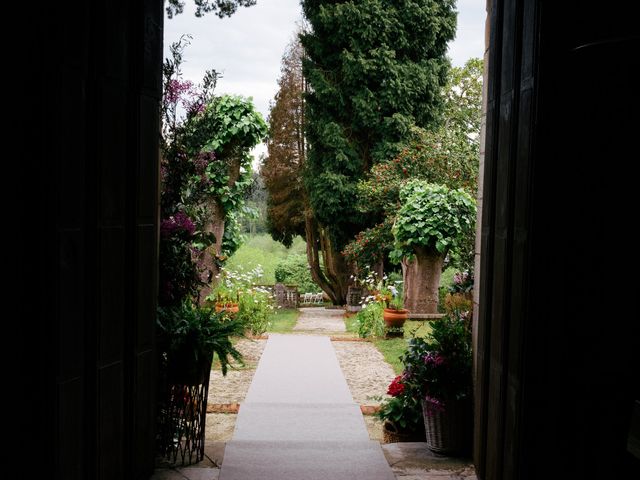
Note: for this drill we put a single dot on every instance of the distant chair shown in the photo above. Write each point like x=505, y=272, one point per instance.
x=318, y=298
x=308, y=297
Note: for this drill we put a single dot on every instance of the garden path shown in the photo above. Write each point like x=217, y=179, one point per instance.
x=320, y=320
x=299, y=420
x=364, y=368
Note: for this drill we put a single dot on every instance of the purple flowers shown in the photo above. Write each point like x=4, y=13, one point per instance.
x=202, y=160
x=176, y=89
x=433, y=405
x=177, y=224
x=433, y=359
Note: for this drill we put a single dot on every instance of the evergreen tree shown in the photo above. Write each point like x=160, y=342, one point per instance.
x=375, y=69
x=282, y=168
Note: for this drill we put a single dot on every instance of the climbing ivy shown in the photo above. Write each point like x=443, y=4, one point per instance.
x=432, y=216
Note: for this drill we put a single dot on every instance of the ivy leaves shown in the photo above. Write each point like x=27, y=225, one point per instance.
x=432, y=216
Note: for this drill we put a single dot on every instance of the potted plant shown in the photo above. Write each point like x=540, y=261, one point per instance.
x=439, y=367
x=189, y=335
x=225, y=296
x=386, y=293
x=401, y=414
x=394, y=313
x=187, y=338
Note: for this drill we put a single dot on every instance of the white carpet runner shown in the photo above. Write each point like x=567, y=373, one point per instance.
x=299, y=421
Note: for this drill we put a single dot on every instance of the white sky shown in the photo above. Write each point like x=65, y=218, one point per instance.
x=247, y=47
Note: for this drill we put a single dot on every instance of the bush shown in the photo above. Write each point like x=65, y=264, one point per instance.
x=370, y=321
x=254, y=308
x=294, y=269
x=188, y=332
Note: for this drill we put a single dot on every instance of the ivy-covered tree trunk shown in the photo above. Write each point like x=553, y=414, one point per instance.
x=334, y=278
x=208, y=264
x=422, y=279
x=215, y=224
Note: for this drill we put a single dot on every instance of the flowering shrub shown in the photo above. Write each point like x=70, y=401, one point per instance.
x=396, y=387
x=439, y=366
x=402, y=408
x=205, y=168
x=370, y=321
x=255, y=303
x=383, y=290
x=458, y=305
x=179, y=274
x=370, y=246
x=462, y=282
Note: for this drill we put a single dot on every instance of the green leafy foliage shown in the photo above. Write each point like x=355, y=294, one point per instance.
x=222, y=8
x=294, y=270
x=375, y=69
x=447, y=155
x=403, y=409
x=370, y=322
x=440, y=365
x=264, y=251
x=255, y=307
x=433, y=217
x=230, y=126
x=190, y=332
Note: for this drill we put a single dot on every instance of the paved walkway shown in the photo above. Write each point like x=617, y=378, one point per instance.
x=299, y=421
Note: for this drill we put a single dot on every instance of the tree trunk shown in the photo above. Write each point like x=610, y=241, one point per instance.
x=421, y=280
x=334, y=278
x=208, y=264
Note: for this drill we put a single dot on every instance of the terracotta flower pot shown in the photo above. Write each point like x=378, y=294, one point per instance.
x=230, y=307
x=394, y=322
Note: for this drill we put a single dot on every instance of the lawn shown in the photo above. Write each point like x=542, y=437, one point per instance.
x=393, y=348
x=264, y=251
x=283, y=320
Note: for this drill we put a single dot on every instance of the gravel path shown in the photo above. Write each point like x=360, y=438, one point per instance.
x=320, y=320
x=365, y=370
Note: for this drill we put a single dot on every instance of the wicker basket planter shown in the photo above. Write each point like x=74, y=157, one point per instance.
x=390, y=434
x=448, y=430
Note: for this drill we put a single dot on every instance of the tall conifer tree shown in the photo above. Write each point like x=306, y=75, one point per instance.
x=374, y=68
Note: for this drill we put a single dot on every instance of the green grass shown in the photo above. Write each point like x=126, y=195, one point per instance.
x=283, y=320
x=264, y=251
x=394, y=348
x=351, y=323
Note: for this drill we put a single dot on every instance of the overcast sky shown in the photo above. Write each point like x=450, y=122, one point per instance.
x=247, y=47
